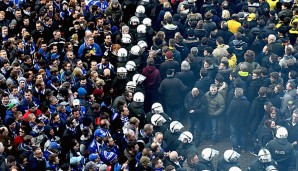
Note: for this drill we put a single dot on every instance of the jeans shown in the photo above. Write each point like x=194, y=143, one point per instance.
x=195, y=127
x=237, y=137
x=212, y=126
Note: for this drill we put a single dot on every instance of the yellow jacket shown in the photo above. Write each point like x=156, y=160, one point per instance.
x=233, y=26
x=272, y=4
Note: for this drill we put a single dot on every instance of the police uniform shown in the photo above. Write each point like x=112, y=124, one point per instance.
x=256, y=165
x=223, y=165
x=282, y=152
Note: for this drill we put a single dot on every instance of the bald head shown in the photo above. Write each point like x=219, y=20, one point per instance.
x=195, y=92
x=173, y=156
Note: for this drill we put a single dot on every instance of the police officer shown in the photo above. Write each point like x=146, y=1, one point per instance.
x=282, y=151
x=264, y=160
x=292, y=127
x=229, y=160
x=205, y=162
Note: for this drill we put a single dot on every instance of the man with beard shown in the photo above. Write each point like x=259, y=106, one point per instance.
x=130, y=153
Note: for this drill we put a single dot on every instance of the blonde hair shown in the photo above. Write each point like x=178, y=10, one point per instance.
x=167, y=15
x=166, y=5
x=225, y=14
x=77, y=72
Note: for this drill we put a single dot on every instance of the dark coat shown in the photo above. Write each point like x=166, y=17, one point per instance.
x=204, y=83
x=171, y=89
x=36, y=165
x=223, y=165
x=187, y=78
x=256, y=113
x=171, y=64
x=198, y=104
x=172, y=140
x=205, y=165
x=185, y=149
x=237, y=111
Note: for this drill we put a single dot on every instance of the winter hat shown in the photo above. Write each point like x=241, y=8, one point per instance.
x=97, y=92
x=90, y=165
x=82, y=92
x=115, y=2
x=2, y=78
x=93, y=156
x=144, y=160
x=65, y=2
x=75, y=160
x=13, y=22
x=54, y=145
x=11, y=105
x=76, y=102
x=125, y=28
x=108, y=156
x=185, y=66
x=21, y=79
x=251, y=17
x=169, y=55
x=9, y=82
x=100, y=133
x=54, y=56
x=103, y=167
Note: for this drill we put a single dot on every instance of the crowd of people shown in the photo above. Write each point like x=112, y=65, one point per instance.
x=107, y=85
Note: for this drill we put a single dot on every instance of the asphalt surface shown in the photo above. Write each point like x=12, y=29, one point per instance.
x=224, y=144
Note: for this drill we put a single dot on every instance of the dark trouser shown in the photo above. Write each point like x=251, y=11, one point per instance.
x=237, y=137
x=195, y=127
x=174, y=111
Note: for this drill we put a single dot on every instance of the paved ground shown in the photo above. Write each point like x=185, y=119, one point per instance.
x=224, y=144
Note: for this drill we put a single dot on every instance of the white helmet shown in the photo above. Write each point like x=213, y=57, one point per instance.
x=157, y=119
x=209, y=153
x=141, y=28
x=135, y=50
x=142, y=44
x=130, y=66
x=126, y=38
x=264, y=156
x=271, y=168
x=281, y=132
x=134, y=19
x=121, y=73
x=140, y=9
x=176, y=126
x=157, y=108
x=147, y=22
x=234, y=168
x=231, y=156
x=185, y=136
x=130, y=86
x=122, y=55
x=138, y=78
x=138, y=97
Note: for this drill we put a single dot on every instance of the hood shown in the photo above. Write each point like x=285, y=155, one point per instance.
x=237, y=42
x=243, y=74
x=149, y=69
x=170, y=27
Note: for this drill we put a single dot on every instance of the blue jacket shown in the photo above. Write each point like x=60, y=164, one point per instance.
x=93, y=148
x=94, y=47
